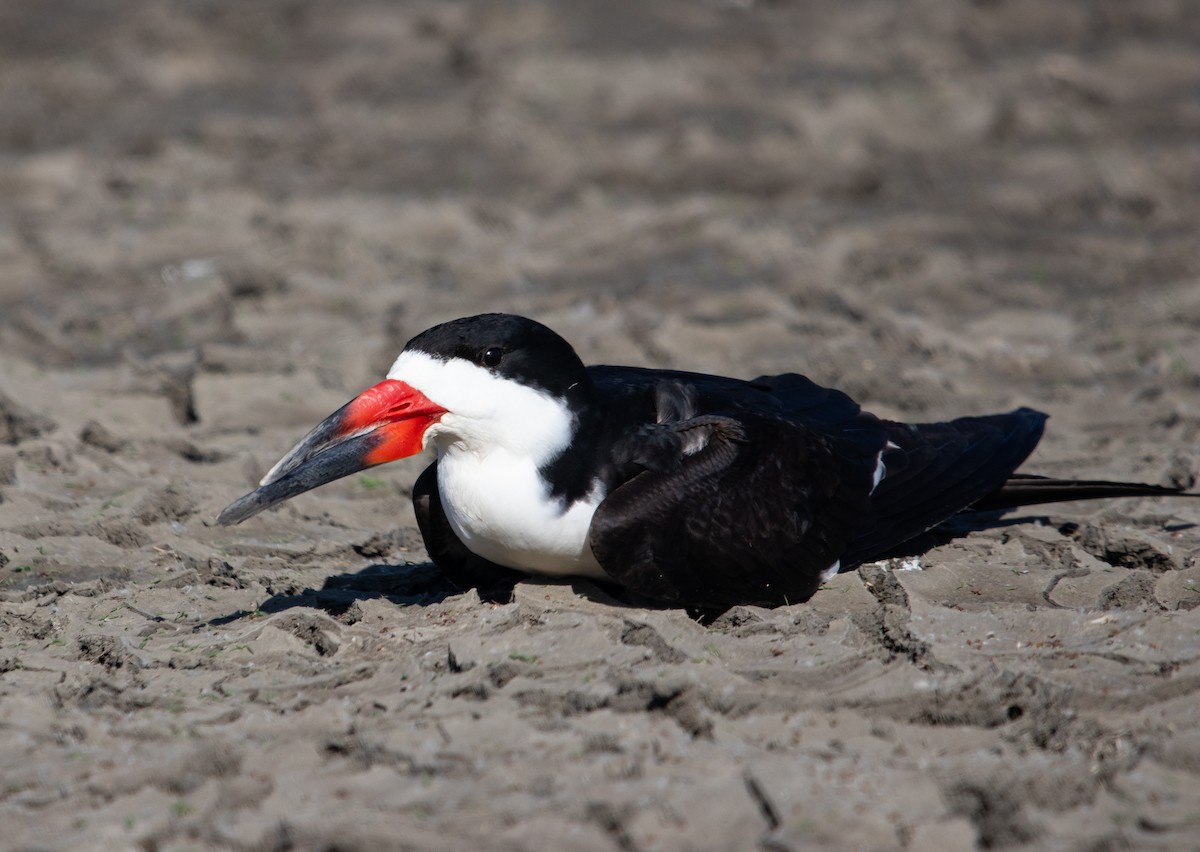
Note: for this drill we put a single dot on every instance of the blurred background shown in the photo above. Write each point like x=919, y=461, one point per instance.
x=220, y=219
x=934, y=191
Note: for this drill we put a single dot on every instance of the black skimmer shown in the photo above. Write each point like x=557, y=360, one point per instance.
x=689, y=489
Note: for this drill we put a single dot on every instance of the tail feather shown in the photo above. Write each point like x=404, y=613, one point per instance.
x=1030, y=490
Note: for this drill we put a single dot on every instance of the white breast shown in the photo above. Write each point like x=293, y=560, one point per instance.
x=499, y=507
x=490, y=444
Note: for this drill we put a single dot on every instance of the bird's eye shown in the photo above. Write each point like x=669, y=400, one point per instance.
x=492, y=356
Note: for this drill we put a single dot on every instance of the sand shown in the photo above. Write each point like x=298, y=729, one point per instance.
x=221, y=220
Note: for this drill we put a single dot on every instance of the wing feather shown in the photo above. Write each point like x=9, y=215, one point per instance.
x=755, y=516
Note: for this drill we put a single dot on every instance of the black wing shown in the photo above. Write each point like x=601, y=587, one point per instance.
x=733, y=500
x=798, y=482
x=935, y=470
x=931, y=471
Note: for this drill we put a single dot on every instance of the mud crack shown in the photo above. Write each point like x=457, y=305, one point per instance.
x=889, y=623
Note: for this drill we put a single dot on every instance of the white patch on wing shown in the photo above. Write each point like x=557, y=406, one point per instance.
x=695, y=440
x=496, y=435
x=831, y=572
x=880, y=467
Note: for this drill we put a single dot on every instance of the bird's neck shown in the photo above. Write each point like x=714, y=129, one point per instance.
x=506, y=508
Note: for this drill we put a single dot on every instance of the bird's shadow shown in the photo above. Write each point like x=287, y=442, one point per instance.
x=423, y=584
x=414, y=584
x=417, y=584
x=958, y=526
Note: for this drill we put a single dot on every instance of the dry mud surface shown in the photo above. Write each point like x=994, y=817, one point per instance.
x=222, y=219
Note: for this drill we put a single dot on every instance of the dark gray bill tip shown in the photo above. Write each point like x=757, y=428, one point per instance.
x=324, y=464
x=244, y=507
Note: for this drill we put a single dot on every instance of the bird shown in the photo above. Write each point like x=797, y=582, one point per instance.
x=677, y=488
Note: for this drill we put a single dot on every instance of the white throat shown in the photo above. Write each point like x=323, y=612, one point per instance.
x=493, y=440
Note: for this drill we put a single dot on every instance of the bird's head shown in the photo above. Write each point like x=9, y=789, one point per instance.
x=482, y=384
